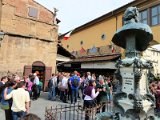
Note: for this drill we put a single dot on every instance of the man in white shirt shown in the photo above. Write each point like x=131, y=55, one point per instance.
x=64, y=87
x=35, y=87
x=21, y=99
x=36, y=79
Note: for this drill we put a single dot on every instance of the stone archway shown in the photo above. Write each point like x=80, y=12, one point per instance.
x=39, y=67
x=44, y=72
x=38, y=63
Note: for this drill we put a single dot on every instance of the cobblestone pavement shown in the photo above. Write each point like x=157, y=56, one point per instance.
x=38, y=106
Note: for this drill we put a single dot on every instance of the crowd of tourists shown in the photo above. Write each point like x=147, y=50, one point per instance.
x=70, y=86
x=15, y=95
x=94, y=90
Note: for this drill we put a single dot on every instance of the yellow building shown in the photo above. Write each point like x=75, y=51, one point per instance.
x=99, y=32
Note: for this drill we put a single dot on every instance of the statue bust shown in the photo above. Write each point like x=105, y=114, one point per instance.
x=131, y=15
x=141, y=33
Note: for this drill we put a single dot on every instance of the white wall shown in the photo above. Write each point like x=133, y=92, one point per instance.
x=153, y=54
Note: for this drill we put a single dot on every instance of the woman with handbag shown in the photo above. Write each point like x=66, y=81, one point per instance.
x=89, y=99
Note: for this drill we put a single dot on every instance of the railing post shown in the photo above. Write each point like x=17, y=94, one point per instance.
x=74, y=111
x=56, y=116
x=78, y=111
x=70, y=112
x=65, y=111
x=61, y=112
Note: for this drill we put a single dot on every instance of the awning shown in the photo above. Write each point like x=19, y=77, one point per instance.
x=62, y=58
x=97, y=58
x=99, y=65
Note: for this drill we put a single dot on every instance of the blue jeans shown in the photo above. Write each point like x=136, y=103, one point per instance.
x=74, y=95
x=109, y=97
x=52, y=93
x=63, y=95
x=17, y=115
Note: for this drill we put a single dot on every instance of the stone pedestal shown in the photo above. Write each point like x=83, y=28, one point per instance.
x=133, y=100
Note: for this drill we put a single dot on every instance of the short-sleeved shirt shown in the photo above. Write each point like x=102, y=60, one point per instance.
x=36, y=80
x=20, y=97
x=54, y=81
x=72, y=78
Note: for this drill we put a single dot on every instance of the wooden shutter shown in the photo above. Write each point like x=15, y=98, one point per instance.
x=27, y=70
x=48, y=74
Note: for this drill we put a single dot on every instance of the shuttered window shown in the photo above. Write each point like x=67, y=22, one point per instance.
x=33, y=12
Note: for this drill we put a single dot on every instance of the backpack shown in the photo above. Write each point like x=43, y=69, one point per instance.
x=75, y=82
x=50, y=83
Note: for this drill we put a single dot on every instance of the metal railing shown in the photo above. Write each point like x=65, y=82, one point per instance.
x=74, y=111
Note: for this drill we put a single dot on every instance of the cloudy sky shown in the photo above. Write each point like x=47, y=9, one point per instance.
x=74, y=13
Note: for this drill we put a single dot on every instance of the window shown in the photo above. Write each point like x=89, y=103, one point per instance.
x=81, y=42
x=155, y=15
x=103, y=36
x=144, y=16
x=33, y=12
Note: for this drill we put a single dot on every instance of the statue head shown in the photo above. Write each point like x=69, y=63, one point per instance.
x=131, y=15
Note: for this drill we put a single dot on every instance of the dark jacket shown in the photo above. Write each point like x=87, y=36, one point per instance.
x=102, y=97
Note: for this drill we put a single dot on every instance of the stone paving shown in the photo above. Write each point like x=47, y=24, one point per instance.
x=38, y=106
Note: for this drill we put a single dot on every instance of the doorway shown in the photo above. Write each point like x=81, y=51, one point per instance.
x=41, y=72
x=39, y=67
x=44, y=75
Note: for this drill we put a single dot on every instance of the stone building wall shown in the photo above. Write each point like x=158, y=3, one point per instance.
x=16, y=19
x=16, y=52
x=29, y=35
x=0, y=12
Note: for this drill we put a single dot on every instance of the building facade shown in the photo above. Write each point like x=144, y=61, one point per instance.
x=28, y=39
x=99, y=32
x=153, y=55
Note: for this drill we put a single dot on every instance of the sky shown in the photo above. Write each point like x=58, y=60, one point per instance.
x=74, y=13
